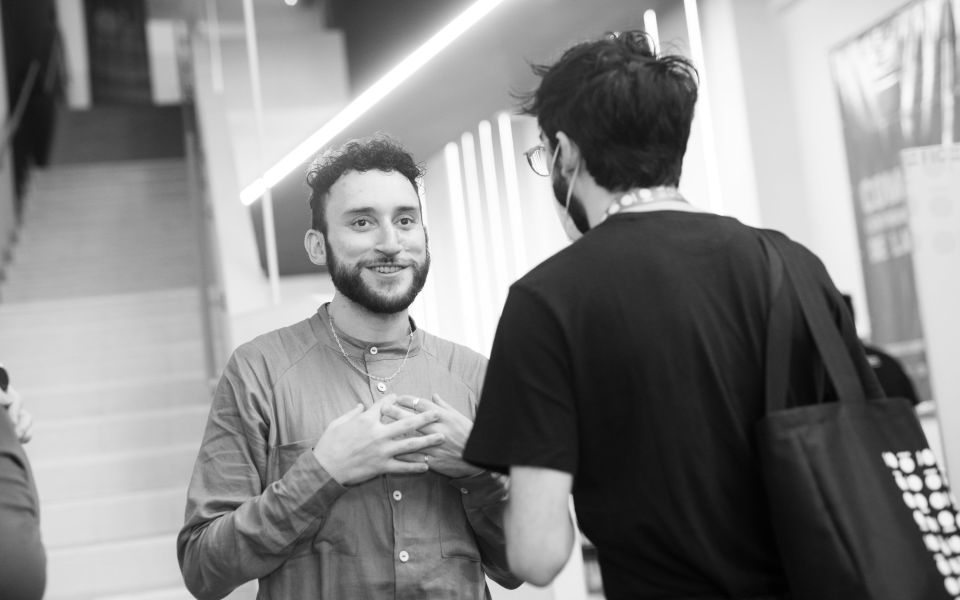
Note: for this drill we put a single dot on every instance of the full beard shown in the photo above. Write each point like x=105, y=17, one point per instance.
x=349, y=281
x=578, y=213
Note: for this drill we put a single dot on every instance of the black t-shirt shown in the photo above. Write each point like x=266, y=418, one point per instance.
x=633, y=359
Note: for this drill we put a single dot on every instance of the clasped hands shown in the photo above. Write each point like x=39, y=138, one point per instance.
x=397, y=435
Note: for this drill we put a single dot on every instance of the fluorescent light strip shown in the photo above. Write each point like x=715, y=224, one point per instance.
x=370, y=97
x=495, y=226
x=461, y=241
x=512, y=186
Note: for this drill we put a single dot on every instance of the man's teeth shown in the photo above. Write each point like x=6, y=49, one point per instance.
x=386, y=269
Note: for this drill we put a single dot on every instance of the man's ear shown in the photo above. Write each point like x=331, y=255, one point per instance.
x=569, y=153
x=316, y=250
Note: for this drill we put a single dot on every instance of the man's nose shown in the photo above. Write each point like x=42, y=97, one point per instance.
x=389, y=242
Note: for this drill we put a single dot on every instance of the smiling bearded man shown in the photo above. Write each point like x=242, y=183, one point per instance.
x=331, y=466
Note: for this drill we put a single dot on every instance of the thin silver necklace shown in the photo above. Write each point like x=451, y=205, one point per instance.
x=360, y=370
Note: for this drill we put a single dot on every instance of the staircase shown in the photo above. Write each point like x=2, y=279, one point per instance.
x=100, y=328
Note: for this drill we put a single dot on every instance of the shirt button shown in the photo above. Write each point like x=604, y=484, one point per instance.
x=382, y=386
x=397, y=495
x=404, y=556
x=464, y=491
x=373, y=350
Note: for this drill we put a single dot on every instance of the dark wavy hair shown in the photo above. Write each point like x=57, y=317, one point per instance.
x=628, y=109
x=379, y=152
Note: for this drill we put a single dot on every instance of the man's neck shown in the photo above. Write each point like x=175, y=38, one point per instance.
x=657, y=198
x=358, y=322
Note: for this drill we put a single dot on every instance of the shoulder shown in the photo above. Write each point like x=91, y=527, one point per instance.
x=792, y=247
x=457, y=359
x=271, y=354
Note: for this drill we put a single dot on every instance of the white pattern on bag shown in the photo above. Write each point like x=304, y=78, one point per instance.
x=926, y=493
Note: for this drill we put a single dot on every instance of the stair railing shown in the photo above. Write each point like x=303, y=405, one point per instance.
x=12, y=124
x=9, y=236
x=212, y=299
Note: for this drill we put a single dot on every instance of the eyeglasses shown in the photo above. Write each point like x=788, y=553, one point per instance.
x=537, y=159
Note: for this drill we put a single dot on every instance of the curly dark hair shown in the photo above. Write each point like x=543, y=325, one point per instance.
x=379, y=152
x=628, y=109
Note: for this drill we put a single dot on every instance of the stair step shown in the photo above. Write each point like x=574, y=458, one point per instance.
x=34, y=291
x=131, y=304
x=145, y=241
x=113, y=184
x=174, y=357
x=36, y=231
x=114, y=172
x=112, y=568
x=120, y=396
x=65, y=275
x=111, y=434
x=120, y=473
x=75, y=340
x=133, y=198
x=158, y=205
x=113, y=518
x=60, y=365
x=104, y=333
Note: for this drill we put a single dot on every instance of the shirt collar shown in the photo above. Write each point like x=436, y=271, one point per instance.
x=354, y=346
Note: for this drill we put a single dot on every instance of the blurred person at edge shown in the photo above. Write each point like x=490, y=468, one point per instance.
x=628, y=367
x=331, y=463
x=23, y=560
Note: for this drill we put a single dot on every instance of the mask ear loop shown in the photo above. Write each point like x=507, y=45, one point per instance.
x=553, y=161
x=576, y=171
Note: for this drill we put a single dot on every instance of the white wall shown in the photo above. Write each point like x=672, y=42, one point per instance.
x=810, y=29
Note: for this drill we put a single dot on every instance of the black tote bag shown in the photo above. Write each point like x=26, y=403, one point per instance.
x=860, y=508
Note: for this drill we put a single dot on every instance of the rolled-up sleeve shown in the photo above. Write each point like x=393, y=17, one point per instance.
x=484, y=497
x=238, y=525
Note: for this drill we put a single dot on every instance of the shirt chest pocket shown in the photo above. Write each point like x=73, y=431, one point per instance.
x=336, y=531
x=457, y=539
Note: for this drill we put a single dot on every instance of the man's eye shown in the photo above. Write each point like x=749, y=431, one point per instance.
x=361, y=222
x=406, y=221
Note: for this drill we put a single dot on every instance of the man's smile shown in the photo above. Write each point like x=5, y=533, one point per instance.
x=389, y=269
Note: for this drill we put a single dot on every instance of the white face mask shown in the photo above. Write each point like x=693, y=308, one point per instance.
x=566, y=221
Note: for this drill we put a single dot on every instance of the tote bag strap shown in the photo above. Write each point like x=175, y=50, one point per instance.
x=779, y=328
x=826, y=336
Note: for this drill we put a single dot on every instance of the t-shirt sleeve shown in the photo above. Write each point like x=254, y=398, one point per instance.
x=527, y=414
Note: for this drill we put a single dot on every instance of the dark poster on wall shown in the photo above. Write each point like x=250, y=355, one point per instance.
x=897, y=87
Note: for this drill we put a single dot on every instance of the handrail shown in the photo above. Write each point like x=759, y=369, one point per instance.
x=13, y=123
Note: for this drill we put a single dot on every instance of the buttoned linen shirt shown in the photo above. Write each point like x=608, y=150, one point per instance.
x=260, y=505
